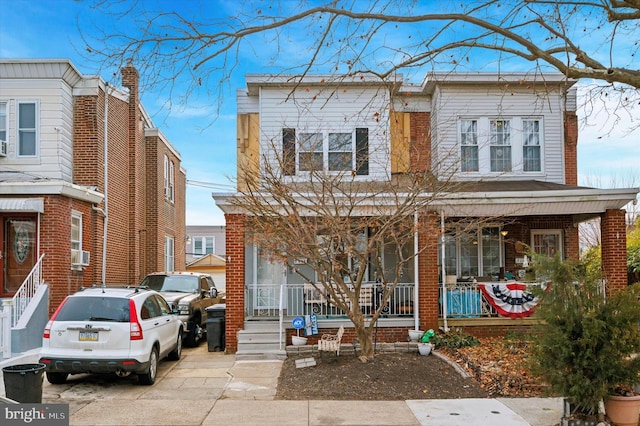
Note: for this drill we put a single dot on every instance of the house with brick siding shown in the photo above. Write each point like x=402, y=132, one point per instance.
x=508, y=140
x=90, y=190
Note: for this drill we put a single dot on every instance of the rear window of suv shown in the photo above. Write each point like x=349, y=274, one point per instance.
x=176, y=283
x=105, y=308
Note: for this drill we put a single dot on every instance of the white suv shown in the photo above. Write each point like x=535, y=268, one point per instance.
x=111, y=330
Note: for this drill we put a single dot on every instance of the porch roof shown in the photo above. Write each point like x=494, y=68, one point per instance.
x=491, y=198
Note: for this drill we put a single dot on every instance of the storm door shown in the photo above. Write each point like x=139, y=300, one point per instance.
x=18, y=256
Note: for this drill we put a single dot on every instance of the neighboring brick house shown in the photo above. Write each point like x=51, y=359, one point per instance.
x=58, y=129
x=510, y=138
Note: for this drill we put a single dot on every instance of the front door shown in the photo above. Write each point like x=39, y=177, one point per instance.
x=18, y=255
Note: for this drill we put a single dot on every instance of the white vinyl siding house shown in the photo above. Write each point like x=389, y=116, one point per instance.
x=353, y=112
x=50, y=154
x=462, y=104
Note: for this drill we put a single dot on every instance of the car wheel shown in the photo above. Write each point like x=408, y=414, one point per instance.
x=149, y=377
x=175, y=354
x=195, y=334
x=57, y=378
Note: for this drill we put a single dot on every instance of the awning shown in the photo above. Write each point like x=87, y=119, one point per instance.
x=35, y=205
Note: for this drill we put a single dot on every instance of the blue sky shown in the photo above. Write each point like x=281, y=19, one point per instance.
x=205, y=136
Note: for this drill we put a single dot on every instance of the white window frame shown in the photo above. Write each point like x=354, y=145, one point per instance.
x=34, y=130
x=485, y=144
x=324, y=143
x=4, y=120
x=455, y=243
x=540, y=145
x=500, y=145
x=76, y=243
x=203, y=242
x=169, y=172
x=169, y=253
x=557, y=233
x=471, y=145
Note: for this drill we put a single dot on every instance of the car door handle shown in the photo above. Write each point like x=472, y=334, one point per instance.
x=158, y=323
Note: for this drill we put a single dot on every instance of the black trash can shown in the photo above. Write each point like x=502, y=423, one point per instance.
x=23, y=382
x=216, y=327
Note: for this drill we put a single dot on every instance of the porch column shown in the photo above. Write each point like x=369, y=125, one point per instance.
x=429, y=230
x=235, y=249
x=614, y=250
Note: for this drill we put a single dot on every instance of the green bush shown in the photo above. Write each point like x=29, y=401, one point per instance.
x=454, y=339
x=584, y=346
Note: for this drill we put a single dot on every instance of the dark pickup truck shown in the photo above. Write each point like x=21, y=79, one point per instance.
x=190, y=293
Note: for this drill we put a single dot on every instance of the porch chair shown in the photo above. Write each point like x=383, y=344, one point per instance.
x=331, y=342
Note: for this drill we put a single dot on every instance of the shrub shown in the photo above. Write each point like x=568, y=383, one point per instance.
x=454, y=339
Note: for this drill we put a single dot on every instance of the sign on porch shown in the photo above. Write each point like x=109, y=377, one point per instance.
x=311, y=325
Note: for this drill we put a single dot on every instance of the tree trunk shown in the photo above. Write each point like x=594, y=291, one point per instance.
x=364, y=336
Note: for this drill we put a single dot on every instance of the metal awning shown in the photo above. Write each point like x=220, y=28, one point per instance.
x=32, y=205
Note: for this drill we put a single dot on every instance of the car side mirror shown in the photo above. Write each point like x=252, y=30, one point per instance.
x=214, y=292
x=175, y=311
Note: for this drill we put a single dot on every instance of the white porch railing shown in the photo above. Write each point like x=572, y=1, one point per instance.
x=262, y=301
x=26, y=292
x=5, y=328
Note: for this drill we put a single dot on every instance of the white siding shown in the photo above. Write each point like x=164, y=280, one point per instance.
x=452, y=103
x=246, y=104
x=54, y=126
x=314, y=109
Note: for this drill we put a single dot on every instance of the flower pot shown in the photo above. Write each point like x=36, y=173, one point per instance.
x=623, y=410
x=424, y=348
x=298, y=340
x=415, y=335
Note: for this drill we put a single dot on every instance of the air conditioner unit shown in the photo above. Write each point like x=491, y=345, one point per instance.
x=3, y=148
x=84, y=261
x=80, y=257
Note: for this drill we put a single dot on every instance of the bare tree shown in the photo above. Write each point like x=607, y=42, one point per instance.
x=331, y=231
x=582, y=39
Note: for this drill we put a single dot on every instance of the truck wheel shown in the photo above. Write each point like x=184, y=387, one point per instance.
x=194, y=335
x=57, y=378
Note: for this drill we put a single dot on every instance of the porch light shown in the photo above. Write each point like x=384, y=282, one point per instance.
x=504, y=233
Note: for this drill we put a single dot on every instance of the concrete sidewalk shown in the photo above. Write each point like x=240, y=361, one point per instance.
x=210, y=388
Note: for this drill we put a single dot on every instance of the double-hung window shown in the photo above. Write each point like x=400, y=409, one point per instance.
x=546, y=242
x=169, y=257
x=169, y=172
x=500, y=142
x=473, y=253
x=76, y=238
x=203, y=245
x=469, y=145
x=3, y=121
x=531, y=146
x=27, y=129
x=325, y=151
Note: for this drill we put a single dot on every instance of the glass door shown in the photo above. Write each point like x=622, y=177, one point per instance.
x=18, y=254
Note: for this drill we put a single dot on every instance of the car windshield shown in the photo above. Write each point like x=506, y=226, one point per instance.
x=114, y=309
x=176, y=283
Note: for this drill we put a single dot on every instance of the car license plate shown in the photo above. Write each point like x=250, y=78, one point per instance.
x=88, y=336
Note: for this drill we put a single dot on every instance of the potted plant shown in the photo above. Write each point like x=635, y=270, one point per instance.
x=586, y=342
x=424, y=345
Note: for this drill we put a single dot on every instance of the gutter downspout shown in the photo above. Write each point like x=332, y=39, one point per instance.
x=106, y=184
x=444, y=281
x=416, y=263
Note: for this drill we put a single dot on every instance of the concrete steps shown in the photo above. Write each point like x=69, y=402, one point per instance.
x=260, y=340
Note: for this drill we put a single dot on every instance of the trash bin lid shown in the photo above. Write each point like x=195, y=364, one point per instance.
x=217, y=307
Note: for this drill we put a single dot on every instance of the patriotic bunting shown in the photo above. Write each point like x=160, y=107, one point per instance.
x=509, y=299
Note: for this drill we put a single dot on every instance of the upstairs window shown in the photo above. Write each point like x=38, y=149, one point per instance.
x=531, y=146
x=469, y=145
x=203, y=245
x=329, y=152
x=500, y=140
x=169, y=257
x=168, y=179
x=27, y=131
x=3, y=121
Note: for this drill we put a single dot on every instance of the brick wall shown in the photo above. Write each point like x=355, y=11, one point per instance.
x=429, y=231
x=235, y=242
x=571, y=148
x=614, y=250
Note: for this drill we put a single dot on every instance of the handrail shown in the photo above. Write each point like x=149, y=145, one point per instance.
x=25, y=293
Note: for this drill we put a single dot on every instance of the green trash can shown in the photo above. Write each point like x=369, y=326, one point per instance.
x=23, y=382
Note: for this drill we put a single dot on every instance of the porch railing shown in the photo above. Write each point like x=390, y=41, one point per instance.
x=262, y=301
x=25, y=293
